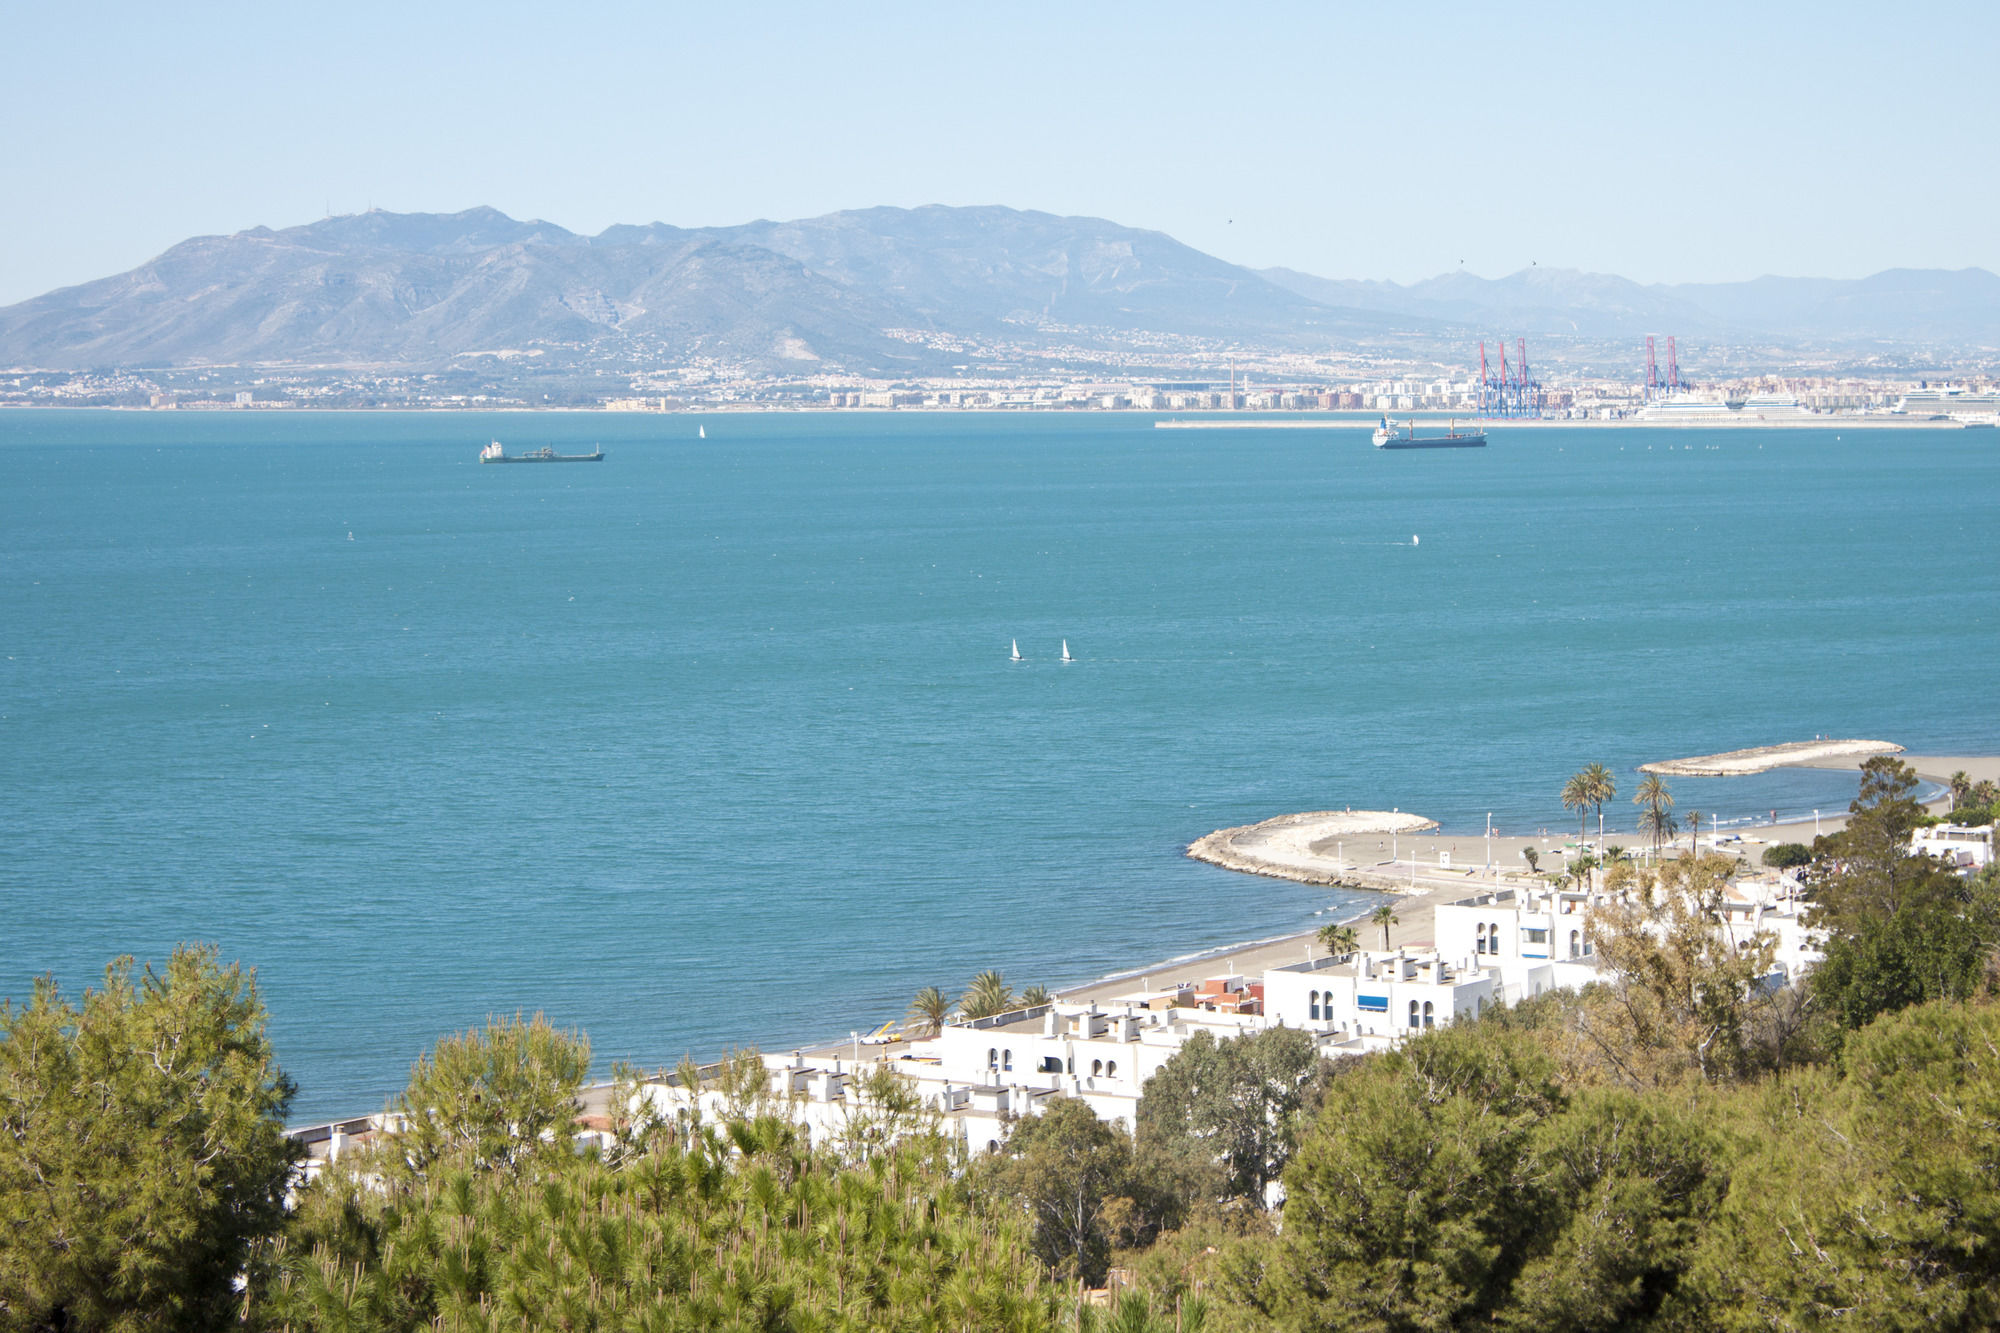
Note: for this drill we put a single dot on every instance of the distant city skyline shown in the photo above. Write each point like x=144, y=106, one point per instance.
x=1832, y=140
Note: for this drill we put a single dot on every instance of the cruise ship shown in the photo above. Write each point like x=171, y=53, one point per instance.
x=1683, y=410
x=1948, y=402
x=1388, y=436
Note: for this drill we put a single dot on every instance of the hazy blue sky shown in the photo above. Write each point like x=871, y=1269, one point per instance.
x=1661, y=141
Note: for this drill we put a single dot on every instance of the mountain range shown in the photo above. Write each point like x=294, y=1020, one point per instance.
x=880, y=290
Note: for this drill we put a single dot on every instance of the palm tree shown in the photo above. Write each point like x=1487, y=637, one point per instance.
x=1694, y=831
x=1577, y=795
x=1339, y=939
x=1961, y=787
x=988, y=995
x=1602, y=788
x=1659, y=825
x=1654, y=800
x=929, y=1010
x=1385, y=917
x=1035, y=995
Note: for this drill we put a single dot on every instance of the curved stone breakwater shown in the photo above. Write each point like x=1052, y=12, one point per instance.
x=1307, y=847
x=1763, y=758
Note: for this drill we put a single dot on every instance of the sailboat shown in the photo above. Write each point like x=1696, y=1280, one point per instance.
x=1017, y=652
x=1066, y=657
x=701, y=432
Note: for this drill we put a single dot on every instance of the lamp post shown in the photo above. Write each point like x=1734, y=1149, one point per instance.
x=1489, y=842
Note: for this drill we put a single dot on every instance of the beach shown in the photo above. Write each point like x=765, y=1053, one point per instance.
x=1413, y=897
x=1414, y=885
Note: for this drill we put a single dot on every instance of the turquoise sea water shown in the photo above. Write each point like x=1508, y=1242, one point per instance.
x=717, y=741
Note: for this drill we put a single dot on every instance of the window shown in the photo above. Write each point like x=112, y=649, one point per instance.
x=1430, y=1020
x=1576, y=944
x=1538, y=934
x=1413, y=1013
x=992, y=1058
x=1006, y=1059
x=1111, y=1069
x=1052, y=1064
x=1479, y=939
x=1096, y=1068
x=1493, y=937
x=1315, y=1006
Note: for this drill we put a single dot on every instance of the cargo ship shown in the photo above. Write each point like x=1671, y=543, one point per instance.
x=493, y=453
x=1406, y=437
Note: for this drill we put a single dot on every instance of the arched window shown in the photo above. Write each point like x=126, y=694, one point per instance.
x=1429, y=1019
x=1096, y=1068
x=992, y=1058
x=1576, y=944
x=1111, y=1069
x=1413, y=1013
x=1479, y=939
x=1006, y=1059
x=1315, y=1006
x=993, y=1145
x=1493, y=937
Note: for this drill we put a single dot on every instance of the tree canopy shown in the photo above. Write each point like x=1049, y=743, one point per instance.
x=143, y=1163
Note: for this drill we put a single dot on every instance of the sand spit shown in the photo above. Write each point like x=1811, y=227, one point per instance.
x=1306, y=847
x=1764, y=758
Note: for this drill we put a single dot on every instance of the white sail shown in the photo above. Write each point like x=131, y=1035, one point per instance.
x=701, y=432
x=1017, y=650
x=1066, y=657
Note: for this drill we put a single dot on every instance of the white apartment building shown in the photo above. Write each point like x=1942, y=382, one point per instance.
x=1964, y=847
x=1496, y=946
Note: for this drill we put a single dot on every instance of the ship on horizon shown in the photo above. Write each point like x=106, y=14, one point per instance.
x=493, y=453
x=1406, y=437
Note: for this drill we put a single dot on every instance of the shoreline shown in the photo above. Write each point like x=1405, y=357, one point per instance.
x=1433, y=886
x=1412, y=891
x=1359, y=420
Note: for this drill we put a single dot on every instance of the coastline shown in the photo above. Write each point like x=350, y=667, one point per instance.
x=1413, y=891
x=1431, y=885
x=1348, y=420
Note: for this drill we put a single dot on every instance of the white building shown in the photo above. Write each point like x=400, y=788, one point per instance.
x=1963, y=847
x=1497, y=946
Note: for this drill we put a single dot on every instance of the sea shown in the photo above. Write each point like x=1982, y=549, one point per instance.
x=718, y=742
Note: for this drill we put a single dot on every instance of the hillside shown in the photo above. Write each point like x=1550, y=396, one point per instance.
x=883, y=291
x=874, y=290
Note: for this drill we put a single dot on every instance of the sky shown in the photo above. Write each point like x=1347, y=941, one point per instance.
x=1663, y=142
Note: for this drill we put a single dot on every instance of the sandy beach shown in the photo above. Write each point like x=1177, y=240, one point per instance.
x=1417, y=882
x=1421, y=878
